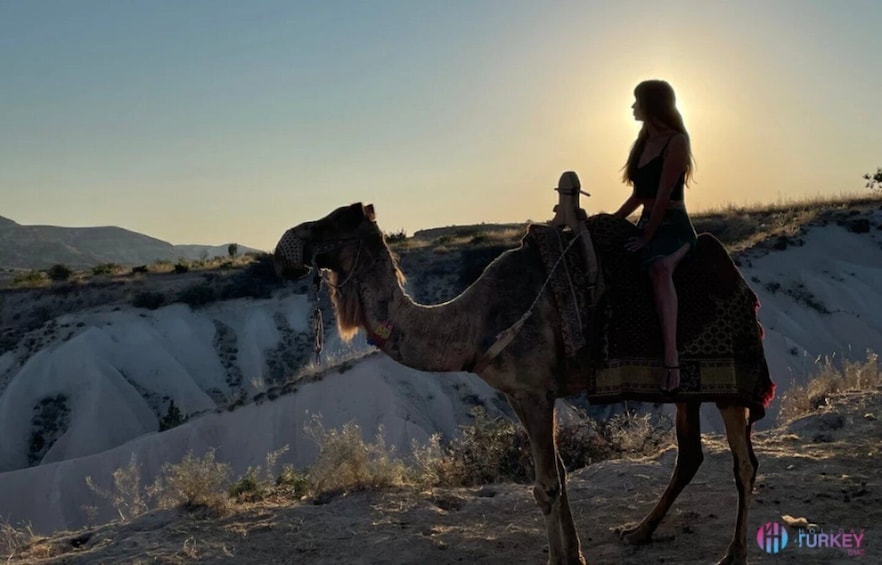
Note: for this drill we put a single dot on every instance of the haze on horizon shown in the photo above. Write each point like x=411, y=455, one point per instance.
x=208, y=122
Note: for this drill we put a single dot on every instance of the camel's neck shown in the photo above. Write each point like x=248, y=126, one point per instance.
x=428, y=338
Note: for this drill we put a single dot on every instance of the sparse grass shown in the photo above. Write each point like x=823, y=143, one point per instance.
x=341, y=360
x=490, y=450
x=108, y=269
x=832, y=377
x=740, y=227
x=30, y=279
x=14, y=538
x=194, y=483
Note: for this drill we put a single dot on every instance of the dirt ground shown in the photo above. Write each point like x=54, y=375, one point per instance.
x=825, y=467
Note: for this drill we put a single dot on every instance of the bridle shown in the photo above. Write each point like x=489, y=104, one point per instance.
x=316, y=271
x=295, y=254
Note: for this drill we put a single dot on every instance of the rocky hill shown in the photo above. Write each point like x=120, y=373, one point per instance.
x=40, y=247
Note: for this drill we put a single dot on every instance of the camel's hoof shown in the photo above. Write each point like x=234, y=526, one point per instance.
x=636, y=536
x=731, y=559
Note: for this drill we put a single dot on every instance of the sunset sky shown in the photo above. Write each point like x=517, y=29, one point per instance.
x=209, y=121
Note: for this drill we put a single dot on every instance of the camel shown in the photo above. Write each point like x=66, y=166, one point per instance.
x=367, y=293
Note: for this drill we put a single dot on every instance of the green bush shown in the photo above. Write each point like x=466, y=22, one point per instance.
x=148, y=299
x=59, y=272
x=198, y=295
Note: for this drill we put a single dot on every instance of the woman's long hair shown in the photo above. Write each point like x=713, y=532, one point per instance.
x=658, y=103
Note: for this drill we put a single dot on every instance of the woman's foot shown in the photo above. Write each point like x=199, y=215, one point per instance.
x=672, y=380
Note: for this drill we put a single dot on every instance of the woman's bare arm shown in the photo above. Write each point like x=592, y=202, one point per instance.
x=628, y=207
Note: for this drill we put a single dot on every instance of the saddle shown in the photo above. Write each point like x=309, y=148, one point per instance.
x=613, y=340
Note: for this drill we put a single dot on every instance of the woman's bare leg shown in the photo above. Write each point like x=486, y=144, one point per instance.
x=662, y=274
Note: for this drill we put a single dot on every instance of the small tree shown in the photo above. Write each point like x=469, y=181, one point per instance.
x=172, y=419
x=396, y=236
x=59, y=272
x=233, y=249
x=874, y=181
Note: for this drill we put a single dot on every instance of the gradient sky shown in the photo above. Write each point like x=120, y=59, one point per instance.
x=209, y=121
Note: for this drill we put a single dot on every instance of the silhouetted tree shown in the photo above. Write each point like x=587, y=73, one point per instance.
x=874, y=181
x=233, y=249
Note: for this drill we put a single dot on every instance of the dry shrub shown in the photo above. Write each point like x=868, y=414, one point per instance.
x=497, y=450
x=346, y=462
x=832, y=377
x=634, y=435
x=491, y=450
x=194, y=483
x=581, y=442
x=14, y=538
x=127, y=497
x=258, y=483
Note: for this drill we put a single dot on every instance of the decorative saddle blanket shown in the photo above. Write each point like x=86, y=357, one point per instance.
x=618, y=348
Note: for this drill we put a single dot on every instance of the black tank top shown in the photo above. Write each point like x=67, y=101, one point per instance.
x=648, y=177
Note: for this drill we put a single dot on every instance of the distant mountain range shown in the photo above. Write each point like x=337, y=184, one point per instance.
x=40, y=247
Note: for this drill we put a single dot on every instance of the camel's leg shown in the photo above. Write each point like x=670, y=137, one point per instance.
x=746, y=464
x=550, y=490
x=689, y=458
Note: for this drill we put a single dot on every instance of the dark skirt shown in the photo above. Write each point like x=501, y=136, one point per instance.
x=675, y=231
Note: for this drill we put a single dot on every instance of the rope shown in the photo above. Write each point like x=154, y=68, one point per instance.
x=569, y=276
x=506, y=336
x=318, y=333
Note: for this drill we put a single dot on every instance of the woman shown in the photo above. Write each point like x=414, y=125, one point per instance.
x=658, y=168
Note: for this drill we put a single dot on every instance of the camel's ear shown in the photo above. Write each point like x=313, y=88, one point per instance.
x=369, y=213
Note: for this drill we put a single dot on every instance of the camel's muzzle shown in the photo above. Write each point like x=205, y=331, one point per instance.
x=289, y=257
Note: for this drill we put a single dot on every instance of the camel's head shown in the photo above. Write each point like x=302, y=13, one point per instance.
x=330, y=243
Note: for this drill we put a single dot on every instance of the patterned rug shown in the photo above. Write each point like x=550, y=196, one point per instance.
x=618, y=347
